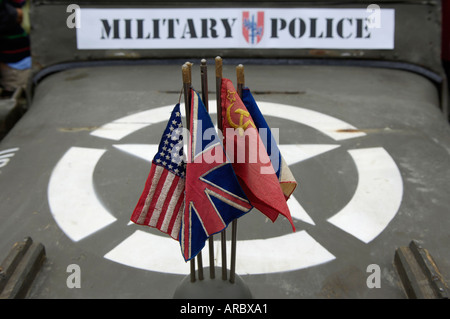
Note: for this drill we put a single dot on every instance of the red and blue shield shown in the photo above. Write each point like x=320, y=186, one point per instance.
x=253, y=26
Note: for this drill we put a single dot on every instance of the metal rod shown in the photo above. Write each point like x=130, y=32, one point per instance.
x=200, y=266
x=218, y=90
x=240, y=79
x=186, y=70
x=192, y=262
x=240, y=86
x=223, y=235
x=204, y=78
x=187, y=93
x=233, y=251
x=212, y=269
x=199, y=255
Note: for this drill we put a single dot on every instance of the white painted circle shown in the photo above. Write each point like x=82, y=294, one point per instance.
x=78, y=212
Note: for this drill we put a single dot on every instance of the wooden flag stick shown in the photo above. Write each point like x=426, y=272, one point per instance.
x=219, y=126
x=186, y=70
x=233, y=250
x=190, y=64
x=218, y=90
x=240, y=85
x=240, y=79
x=204, y=78
x=199, y=255
x=200, y=265
x=187, y=92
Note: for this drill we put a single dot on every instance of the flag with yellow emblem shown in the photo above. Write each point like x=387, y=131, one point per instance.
x=249, y=157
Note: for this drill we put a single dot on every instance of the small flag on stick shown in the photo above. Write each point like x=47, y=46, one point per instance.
x=251, y=162
x=214, y=197
x=284, y=174
x=161, y=204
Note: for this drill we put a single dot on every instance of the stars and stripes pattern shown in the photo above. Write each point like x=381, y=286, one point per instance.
x=161, y=204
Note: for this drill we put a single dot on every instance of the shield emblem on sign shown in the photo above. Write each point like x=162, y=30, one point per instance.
x=253, y=26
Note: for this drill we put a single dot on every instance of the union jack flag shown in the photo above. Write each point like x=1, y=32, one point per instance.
x=214, y=197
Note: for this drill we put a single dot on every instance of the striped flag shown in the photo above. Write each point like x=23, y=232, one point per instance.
x=214, y=197
x=284, y=174
x=161, y=204
x=250, y=161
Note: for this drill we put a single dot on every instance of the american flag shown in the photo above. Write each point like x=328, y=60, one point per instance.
x=161, y=204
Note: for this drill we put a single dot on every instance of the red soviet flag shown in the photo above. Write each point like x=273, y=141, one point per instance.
x=249, y=157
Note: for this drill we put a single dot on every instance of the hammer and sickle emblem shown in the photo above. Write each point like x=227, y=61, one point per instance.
x=243, y=113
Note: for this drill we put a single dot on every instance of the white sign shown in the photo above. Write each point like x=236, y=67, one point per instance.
x=263, y=28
